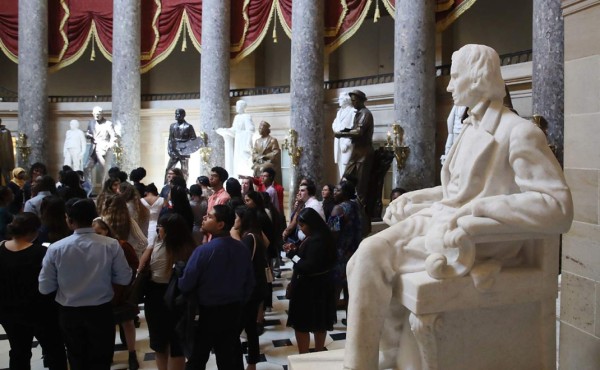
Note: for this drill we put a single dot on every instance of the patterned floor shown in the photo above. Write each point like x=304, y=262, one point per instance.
x=276, y=343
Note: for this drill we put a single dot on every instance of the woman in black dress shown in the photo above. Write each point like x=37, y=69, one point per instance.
x=247, y=229
x=312, y=306
x=24, y=311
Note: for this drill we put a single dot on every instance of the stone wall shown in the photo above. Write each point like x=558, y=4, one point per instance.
x=579, y=346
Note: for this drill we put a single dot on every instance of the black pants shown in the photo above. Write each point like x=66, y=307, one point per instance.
x=89, y=334
x=249, y=325
x=218, y=328
x=21, y=325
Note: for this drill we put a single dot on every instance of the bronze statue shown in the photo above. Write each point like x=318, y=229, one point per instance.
x=180, y=133
x=266, y=152
x=360, y=162
x=7, y=156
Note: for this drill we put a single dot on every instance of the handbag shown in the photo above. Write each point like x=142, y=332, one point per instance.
x=138, y=287
x=268, y=272
x=289, y=290
x=173, y=296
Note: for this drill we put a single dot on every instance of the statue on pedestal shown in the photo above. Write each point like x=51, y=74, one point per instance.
x=361, y=135
x=103, y=137
x=238, y=161
x=499, y=179
x=7, y=155
x=181, y=133
x=266, y=152
x=344, y=120
x=74, y=147
x=455, y=118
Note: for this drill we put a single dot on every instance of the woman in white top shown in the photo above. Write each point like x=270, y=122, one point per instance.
x=154, y=203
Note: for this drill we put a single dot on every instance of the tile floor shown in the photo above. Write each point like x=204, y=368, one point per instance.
x=276, y=343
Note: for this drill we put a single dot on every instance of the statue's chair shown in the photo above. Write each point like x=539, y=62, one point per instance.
x=508, y=323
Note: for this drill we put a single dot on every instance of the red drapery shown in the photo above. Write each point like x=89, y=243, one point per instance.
x=74, y=26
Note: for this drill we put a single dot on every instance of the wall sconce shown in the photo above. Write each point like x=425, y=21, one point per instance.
x=118, y=151
x=394, y=142
x=24, y=149
x=290, y=143
x=205, y=150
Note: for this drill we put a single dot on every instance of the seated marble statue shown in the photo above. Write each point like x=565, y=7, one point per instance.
x=499, y=178
x=239, y=160
x=454, y=123
x=344, y=120
x=74, y=147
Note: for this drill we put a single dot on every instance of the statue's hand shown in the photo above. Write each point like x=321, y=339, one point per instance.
x=395, y=212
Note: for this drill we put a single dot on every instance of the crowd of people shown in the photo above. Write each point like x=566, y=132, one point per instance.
x=74, y=266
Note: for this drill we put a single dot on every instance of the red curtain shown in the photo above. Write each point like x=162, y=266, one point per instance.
x=75, y=24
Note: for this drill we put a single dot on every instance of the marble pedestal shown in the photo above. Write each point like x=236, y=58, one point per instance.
x=456, y=326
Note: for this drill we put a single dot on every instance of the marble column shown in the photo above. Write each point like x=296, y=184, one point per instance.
x=214, y=77
x=548, y=69
x=306, y=87
x=33, y=73
x=414, y=90
x=126, y=80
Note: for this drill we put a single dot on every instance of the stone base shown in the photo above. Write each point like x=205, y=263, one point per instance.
x=329, y=360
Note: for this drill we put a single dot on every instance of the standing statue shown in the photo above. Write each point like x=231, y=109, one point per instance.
x=239, y=160
x=500, y=178
x=180, y=134
x=344, y=120
x=74, y=147
x=361, y=134
x=455, y=119
x=103, y=137
x=266, y=152
x=7, y=155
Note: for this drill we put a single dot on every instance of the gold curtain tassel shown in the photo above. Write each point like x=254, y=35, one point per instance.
x=93, y=56
x=377, y=14
x=184, y=44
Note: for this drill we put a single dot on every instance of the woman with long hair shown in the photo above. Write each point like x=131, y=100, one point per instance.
x=137, y=211
x=175, y=243
x=180, y=204
x=116, y=215
x=247, y=229
x=328, y=202
x=24, y=311
x=110, y=187
x=312, y=306
x=124, y=312
x=71, y=186
x=54, y=226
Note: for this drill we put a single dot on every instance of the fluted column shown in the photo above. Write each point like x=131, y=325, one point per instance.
x=414, y=90
x=548, y=69
x=214, y=76
x=126, y=80
x=306, y=86
x=33, y=73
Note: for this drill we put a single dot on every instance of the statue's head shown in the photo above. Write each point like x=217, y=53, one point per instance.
x=344, y=100
x=264, y=128
x=475, y=75
x=97, y=113
x=240, y=106
x=358, y=98
x=180, y=115
x=74, y=124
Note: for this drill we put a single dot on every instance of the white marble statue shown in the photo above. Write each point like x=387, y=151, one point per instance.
x=238, y=157
x=454, y=123
x=74, y=147
x=344, y=120
x=500, y=178
x=103, y=137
